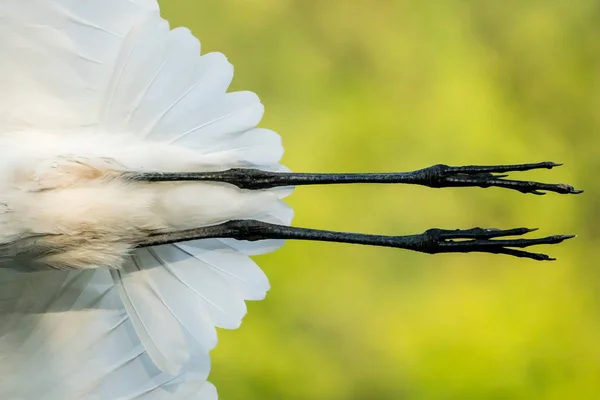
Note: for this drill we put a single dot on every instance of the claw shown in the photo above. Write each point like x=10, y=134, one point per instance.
x=493, y=176
x=482, y=240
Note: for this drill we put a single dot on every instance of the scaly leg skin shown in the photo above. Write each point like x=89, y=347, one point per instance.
x=432, y=241
x=437, y=176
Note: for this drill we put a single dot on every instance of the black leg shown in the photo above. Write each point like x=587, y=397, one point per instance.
x=432, y=241
x=437, y=176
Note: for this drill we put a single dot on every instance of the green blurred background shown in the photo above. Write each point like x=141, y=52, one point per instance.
x=393, y=85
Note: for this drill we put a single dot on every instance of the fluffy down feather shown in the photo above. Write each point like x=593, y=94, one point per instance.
x=106, y=84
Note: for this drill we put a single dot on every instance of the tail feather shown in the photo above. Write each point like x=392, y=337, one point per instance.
x=115, y=66
x=219, y=122
x=71, y=331
x=62, y=54
x=173, y=320
x=161, y=81
x=185, y=386
x=167, y=92
x=242, y=274
x=253, y=147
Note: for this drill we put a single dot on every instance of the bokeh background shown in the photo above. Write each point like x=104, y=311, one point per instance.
x=393, y=85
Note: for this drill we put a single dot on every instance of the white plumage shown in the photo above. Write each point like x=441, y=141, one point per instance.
x=91, y=88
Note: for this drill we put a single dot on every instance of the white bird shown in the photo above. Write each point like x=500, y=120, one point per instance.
x=127, y=174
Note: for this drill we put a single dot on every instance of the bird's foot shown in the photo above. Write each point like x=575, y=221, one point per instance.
x=482, y=240
x=441, y=175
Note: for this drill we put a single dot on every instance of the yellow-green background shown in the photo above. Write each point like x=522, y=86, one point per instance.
x=392, y=85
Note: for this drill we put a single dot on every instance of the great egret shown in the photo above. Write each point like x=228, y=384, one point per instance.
x=133, y=190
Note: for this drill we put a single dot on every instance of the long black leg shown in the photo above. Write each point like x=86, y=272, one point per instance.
x=437, y=176
x=431, y=241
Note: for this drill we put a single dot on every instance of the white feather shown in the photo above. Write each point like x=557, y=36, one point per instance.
x=108, y=80
x=71, y=330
